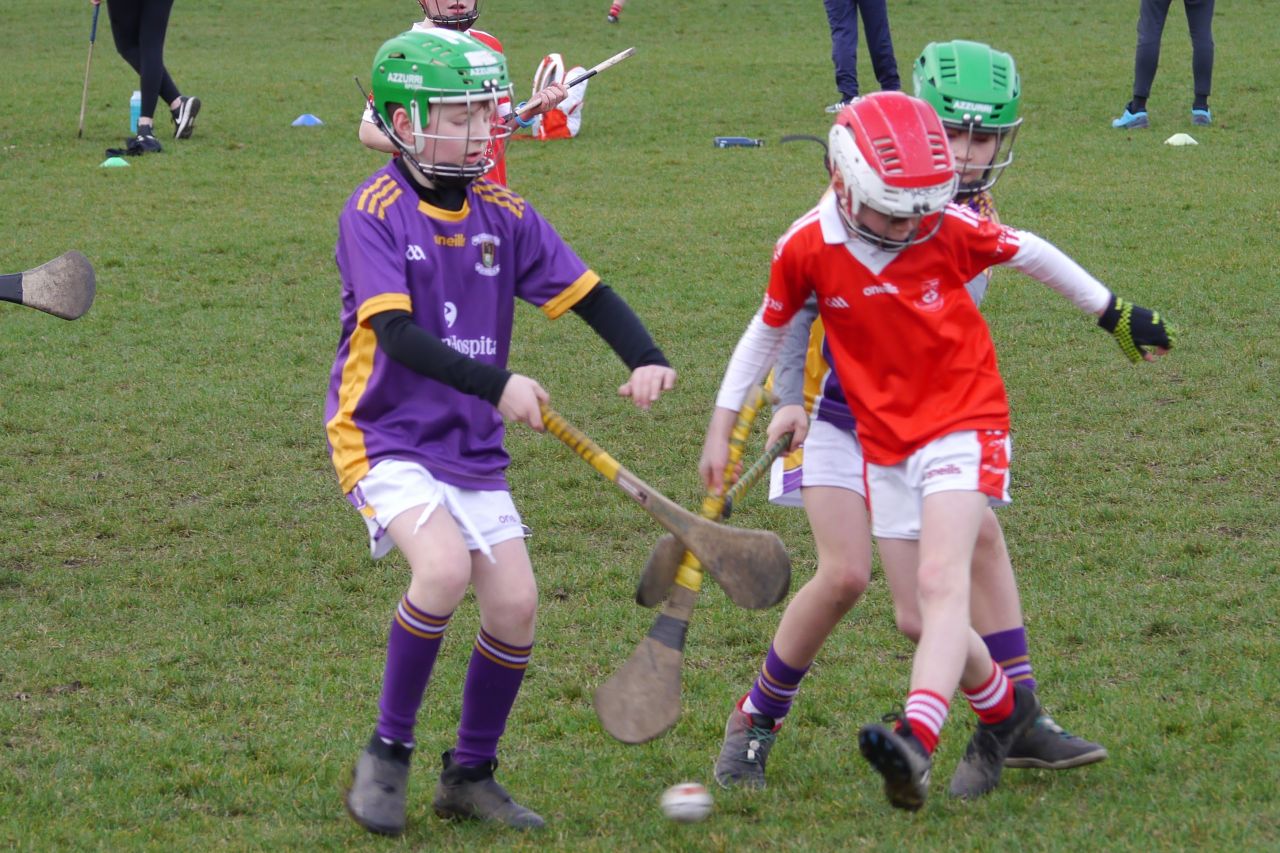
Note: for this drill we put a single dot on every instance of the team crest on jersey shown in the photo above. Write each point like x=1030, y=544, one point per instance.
x=488, y=264
x=930, y=296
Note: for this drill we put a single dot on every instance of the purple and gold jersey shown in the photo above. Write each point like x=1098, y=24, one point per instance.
x=459, y=274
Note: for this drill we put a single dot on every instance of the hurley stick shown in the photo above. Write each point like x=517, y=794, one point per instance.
x=641, y=701
x=63, y=287
x=745, y=586
x=716, y=546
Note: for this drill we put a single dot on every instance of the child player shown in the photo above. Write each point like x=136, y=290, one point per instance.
x=888, y=258
x=977, y=99
x=432, y=256
x=460, y=15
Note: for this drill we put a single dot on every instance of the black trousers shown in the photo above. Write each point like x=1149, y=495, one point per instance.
x=1151, y=19
x=842, y=16
x=139, y=27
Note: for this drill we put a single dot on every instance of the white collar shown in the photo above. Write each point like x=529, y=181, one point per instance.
x=835, y=233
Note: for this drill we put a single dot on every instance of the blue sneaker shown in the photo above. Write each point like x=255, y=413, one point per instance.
x=1201, y=117
x=1131, y=121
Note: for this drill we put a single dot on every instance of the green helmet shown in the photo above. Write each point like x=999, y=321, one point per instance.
x=421, y=68
x=977, y=89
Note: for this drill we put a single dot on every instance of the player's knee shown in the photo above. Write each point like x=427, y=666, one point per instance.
x=844, y=583
x=448, y=579
x=940, y=583
x=516, y=614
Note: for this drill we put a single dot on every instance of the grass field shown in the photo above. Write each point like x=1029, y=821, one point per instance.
x=193, y=631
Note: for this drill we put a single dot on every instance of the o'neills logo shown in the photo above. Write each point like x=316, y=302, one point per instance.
x=406, y=79
x=931, y=298
x=473, y=347
x=948, y=470
x=488, y=244
x=457, y=241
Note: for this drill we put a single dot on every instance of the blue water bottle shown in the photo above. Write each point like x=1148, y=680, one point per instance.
x=135, y=110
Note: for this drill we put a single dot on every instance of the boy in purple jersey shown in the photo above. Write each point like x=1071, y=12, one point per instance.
x=432, y=258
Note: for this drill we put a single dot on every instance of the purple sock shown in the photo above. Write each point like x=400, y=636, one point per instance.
x=412, y=646
x=776, y=687
x=1009, y=649
x=493, y=680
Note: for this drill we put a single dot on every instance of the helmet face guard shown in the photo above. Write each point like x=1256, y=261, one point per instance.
x=421, y=70
x=460, y=22
x=974, y=88
x=889, y=152
x=972, y=183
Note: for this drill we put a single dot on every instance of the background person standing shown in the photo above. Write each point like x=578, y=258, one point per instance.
x=842, y=15
x=1151, y=18
x=139, y=27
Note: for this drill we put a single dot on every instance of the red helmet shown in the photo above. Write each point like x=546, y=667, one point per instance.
x=890, y=152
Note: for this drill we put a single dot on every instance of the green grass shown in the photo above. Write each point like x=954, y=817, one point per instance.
x=193, y=631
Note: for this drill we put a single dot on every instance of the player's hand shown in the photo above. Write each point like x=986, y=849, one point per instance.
x=715, y=449
x=546, y=100
x=788, y=419
x=522, y=400
x=647, y=384
x=1136, y=329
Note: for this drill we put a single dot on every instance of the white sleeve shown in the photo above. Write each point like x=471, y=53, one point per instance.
x=1048, y=264
x=752, y=357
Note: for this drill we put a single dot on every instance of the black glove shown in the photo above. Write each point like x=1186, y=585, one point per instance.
x=1135, y=328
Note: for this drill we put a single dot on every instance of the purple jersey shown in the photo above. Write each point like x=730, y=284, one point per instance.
x=459, y=274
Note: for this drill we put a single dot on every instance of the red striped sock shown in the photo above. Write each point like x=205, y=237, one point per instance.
x=926, y=712
x=993, y=701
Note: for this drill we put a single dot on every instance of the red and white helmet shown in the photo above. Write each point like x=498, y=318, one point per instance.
x=889, y=152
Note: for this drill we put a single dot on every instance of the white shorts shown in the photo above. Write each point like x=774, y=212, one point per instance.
x=965, y=461
x=395, y=486
x=831, y=456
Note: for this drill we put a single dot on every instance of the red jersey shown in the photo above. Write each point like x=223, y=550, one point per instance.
x=909, y=345
x=499, y=171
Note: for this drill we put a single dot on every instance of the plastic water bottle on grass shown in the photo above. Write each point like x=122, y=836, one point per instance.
x=135, y=110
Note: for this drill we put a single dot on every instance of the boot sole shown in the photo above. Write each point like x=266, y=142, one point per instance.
x=902, y=791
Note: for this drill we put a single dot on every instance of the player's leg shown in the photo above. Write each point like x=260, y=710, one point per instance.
x=997, y=617
x=155, y=80
x=507, y=596
x=842, y=17
x=838, y=518
x=126, y=17
x=946, y=525
x=1200, y=25
x=875, y=28
x=404, y=507
x=615, y=11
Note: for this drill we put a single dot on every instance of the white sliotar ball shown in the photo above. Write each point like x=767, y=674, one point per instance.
x=686, y=802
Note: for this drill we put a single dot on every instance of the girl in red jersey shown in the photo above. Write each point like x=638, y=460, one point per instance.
x=888, y=260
